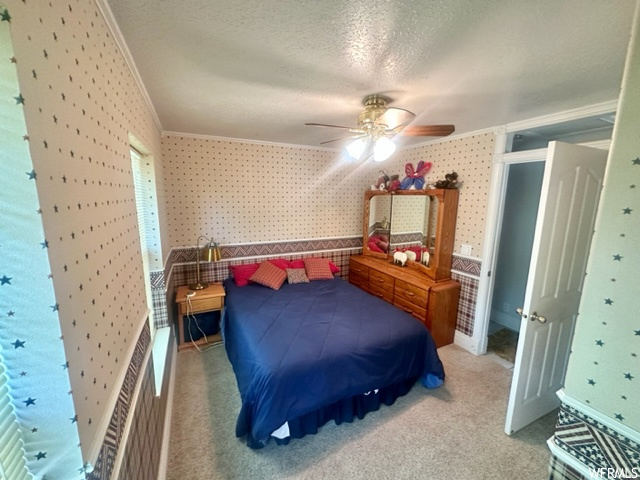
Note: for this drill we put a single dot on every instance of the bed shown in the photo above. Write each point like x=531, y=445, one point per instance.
x=313, y=352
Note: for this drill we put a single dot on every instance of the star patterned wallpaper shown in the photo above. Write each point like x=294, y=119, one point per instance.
x=81, y=103
x=31, y=343
x=604, y=366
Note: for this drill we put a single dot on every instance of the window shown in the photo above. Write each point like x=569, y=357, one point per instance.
x=12, y=460
x=141, y=197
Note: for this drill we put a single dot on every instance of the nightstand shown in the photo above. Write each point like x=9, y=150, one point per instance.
x=210, y=299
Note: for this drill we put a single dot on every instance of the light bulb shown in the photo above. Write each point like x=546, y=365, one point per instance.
x=383, y=149
x=356, y=148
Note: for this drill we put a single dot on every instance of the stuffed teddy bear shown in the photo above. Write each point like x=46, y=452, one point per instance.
x=450, y=181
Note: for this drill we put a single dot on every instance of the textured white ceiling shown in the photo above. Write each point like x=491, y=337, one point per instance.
x=259, y=69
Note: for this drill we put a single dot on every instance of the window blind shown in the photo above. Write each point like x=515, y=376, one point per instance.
x=12, y=459
x=141, y=209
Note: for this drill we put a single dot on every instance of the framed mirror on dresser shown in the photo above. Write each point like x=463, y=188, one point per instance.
x=421, y=224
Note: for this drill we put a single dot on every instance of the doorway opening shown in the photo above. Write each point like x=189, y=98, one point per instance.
x=524, y=184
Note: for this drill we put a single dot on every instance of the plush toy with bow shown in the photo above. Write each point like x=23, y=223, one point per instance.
x=415, y=178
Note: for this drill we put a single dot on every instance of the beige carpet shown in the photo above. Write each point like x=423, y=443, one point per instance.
x=454, y=432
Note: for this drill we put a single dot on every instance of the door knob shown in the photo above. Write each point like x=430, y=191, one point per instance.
x=519, y=311
x=540, y=318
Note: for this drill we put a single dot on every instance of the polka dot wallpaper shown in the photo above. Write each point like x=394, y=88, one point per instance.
x=81, y=102
x=471, y=157
x=241, y=192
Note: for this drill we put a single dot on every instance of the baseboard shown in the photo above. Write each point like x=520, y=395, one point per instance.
x=466, y=342
x=506, y=320
x=164, y=451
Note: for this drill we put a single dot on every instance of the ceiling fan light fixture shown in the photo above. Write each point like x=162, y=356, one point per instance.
x=356, y=148
x=383, y=149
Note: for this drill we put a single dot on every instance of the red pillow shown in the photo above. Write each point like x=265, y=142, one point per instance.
x=296, y=264
x=373, y=246
x=269, y=275
x=242, y=273
x=280, y=263
x=300, y=264
x=317, y=268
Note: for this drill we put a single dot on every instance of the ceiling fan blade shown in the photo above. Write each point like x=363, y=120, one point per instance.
x=394, y=117
x=332, y=126
x=427, y=130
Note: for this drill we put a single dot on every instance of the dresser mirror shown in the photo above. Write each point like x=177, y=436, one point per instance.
x=423, y=220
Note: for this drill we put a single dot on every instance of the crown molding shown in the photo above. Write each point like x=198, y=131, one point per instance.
x=565, y=116
x=110, y=20
x=166, y=133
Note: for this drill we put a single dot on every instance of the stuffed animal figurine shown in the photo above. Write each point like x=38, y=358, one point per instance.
x=415, y=178
x=400, y=258
x=450, y=181
x=382, y=181
x=394, y=183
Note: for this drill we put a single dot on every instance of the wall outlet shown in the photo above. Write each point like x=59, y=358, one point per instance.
x=465, y=249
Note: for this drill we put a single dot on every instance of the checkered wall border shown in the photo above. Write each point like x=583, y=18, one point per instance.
x=337, y=250
x=593, y=444
x=558, y=470
x=467, y=302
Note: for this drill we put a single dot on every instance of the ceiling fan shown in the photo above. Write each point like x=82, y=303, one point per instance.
x=377, y=123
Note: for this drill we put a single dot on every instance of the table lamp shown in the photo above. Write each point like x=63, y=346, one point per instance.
x=209, y=253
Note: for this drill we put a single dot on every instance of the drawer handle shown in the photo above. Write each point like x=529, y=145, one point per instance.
x=381, y=280
x=379, y=295
x=408, y=310
x=411, y=294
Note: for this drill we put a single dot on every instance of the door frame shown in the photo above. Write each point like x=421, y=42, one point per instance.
x=495, y=205
x=500, y=178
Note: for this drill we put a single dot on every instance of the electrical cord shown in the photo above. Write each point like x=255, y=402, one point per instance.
x=191, y=316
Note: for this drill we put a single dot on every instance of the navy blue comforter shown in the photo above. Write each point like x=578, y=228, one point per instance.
x=308, y=345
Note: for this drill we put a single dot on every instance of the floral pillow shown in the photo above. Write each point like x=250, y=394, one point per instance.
x=297, y=275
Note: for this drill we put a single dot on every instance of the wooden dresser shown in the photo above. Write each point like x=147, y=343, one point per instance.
x=435, y=304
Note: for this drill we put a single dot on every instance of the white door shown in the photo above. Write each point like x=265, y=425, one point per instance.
x=571, y=188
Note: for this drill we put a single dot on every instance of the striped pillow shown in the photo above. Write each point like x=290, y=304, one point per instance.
x=318, y=268
x=269, y=275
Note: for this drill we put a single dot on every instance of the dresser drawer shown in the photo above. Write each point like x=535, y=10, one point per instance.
x=359, y=282
x=201, y=305
x=411, y=293
x=381, y=280
x=413, y=309
x=382, y=292
x=358, y=270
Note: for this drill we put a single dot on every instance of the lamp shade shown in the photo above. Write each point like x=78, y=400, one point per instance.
x=211, y=253
x=356, y=148
x=383, y=149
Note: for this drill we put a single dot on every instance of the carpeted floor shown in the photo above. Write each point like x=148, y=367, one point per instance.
x=453, y=432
